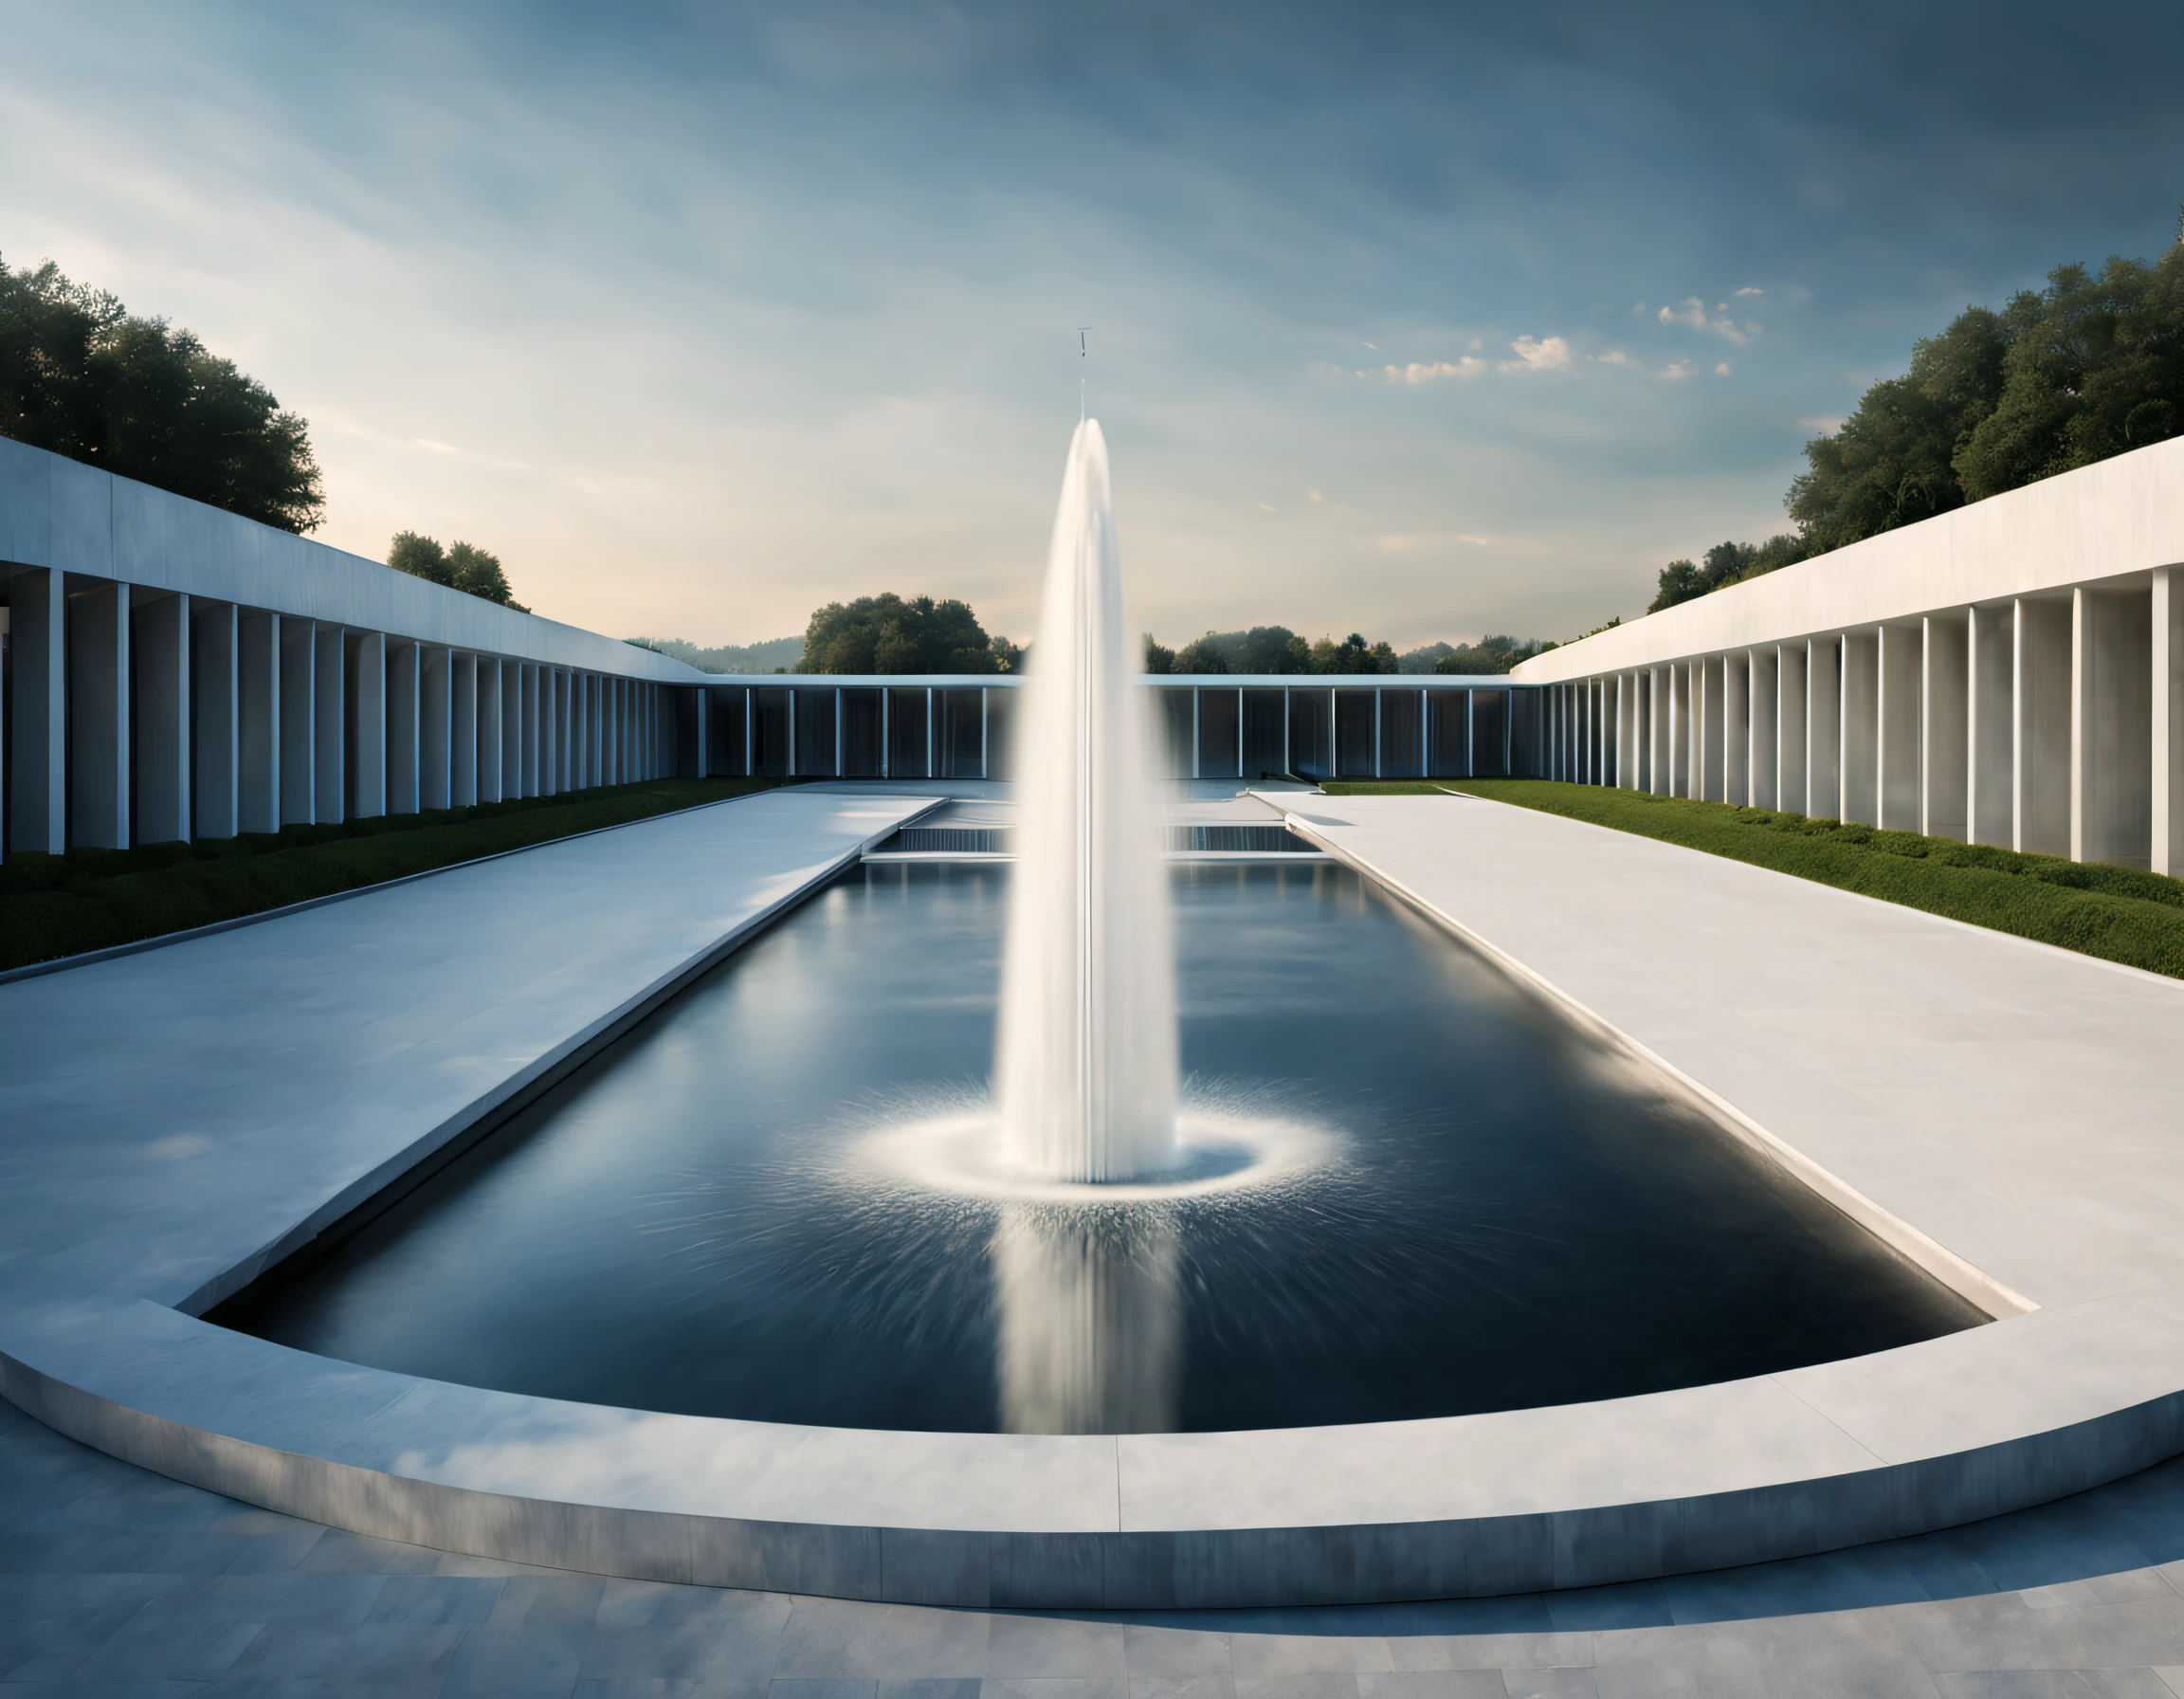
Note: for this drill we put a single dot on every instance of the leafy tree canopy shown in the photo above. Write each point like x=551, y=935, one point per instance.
x=459, y=566
x=1726, y=563
x=1488, y=655
x=888, y=634
x=81, y=376
x=2090, y=366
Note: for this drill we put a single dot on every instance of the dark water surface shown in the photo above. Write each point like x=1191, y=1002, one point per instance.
x=1513, y=1218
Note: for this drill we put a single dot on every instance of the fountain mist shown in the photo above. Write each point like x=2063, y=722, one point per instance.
x=1087, y=1065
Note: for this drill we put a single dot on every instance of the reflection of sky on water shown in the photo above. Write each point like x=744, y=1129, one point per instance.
x=691, y=1224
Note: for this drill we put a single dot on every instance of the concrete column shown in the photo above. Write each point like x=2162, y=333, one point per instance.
x=215, y=680
x=1712, y=721
x=511, y=727
x=298, y=721
x=330, y=724
x=1658, y=719
x=549, y=729
x=1682, y=739
x=257, y=689
x=1737, y=729
x=1761, y=708
x=529, y=767
x=611, y=731
x=492, y=736
x=98, y=716
x=462, y=732
x=37, y=718
x=566, y=733
x=160, y=719
x=1823, y=727
x=405, y=726
x=2111, y=727
x=367, y=724
x=2165, y=642
x=1898, y=663
x=2040, y=742
x=1860, y=718
x=435, y=728
x=1989, y=670
x=1790, y=732
x=1944, y=798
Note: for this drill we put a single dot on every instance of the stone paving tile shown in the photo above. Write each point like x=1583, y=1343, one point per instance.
x=1182, y=1686
x=1491, y=1652
x=1055, y=1648
x=2055, y=1683
x=1173, y=1653
x=2004, y=1632
x=1318, y=1684
x=1432, y=1684
x=1026, y=1687
x=834, y=1637
x=368, y=1657
x=1301, y=1654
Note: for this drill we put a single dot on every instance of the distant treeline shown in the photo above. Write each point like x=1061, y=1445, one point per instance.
x=776, y=654
x=2090, y=366
x=1280, y=651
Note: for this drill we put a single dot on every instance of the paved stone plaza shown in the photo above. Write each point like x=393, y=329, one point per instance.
x=114, y=1582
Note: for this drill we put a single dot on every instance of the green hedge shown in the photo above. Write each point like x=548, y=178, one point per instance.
x=53, y=905
x=2121, y=914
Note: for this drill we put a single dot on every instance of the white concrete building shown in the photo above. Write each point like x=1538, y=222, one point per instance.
x=2005, y=674
x=177, y=672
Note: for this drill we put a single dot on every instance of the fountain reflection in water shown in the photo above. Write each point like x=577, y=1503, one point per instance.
x=1087, y=1056
x=1091, y=1335
x=1085, y=1065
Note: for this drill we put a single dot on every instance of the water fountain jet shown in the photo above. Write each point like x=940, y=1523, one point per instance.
x=1086, y=1069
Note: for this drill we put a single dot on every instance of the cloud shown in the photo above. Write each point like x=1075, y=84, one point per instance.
x=1373, y=346
x=1693, y=312
x=1748, y=290
x=1428, y=371
x=1615, y=357
x=1477, y=543
x=1721, y=370
x=1536, y=355
x=1397, y=545
x=1828, y=426
x=1312, y=495
x=1677, y=369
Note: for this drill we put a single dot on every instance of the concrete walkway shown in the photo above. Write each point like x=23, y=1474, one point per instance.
x=120, y=1584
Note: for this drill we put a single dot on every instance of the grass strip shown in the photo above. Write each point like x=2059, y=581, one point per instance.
x=54, y=905
x=2120, y=914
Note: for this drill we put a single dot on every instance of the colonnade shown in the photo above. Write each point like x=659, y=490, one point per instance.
x=139, y=715
x=2049, y=723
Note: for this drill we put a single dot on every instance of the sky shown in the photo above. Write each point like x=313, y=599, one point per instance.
x=1425, y=321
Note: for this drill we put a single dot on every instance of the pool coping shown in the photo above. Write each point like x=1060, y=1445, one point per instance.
x=2049, y=1401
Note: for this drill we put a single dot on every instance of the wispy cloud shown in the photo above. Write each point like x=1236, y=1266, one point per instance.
x=1692, y=311
x=1536, y=354
x=1428, y=370
x=1748, y=289
x=1721, y=370
x=1822, y=424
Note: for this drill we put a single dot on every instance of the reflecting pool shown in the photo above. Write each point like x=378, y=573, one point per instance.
x=1420, y=1190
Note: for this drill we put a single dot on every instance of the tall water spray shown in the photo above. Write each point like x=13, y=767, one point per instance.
x=1085, y=1069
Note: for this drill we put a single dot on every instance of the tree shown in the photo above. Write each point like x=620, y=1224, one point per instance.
x=1726, y=563
x=459, y=566
x=887, y=635
x=1352, y=656
x=1206, y=655
x=2096, y=368
x=81, y=376
x=1159, y=658
x=1493, y=654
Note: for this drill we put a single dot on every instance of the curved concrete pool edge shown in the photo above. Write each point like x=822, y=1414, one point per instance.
x=2074, y=1393
x=1038, y=1523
